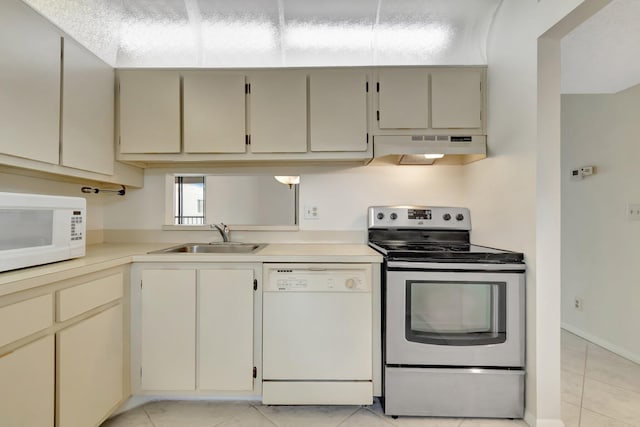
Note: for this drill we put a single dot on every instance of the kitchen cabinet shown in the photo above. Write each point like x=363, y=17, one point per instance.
x=196, y=328
x=27, y=390
x=225, y=329
x=278, y=112
x=29, y=84
x=168, y=329
x=91, y=359
x=64, y=351
x=87, y=112
x=403, y=98
x=456, y=98
x=430, y=101
x=90, y=369
x=338, y=110
x=214, y=112
x=149, y=104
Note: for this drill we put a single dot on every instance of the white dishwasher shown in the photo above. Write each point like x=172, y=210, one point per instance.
x=317, y=332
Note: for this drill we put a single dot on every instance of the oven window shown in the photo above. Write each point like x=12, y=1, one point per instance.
x=455, y=312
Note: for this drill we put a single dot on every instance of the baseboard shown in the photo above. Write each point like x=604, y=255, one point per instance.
x=139, y=400
x=602, y=343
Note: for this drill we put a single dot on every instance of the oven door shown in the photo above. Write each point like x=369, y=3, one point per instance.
x=454, y=318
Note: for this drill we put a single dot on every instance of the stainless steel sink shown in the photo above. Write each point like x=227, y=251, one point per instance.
x=211, y=248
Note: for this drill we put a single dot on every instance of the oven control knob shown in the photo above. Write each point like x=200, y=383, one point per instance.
x=351, y=283
x=446, y=217
x=459, y=217
x=393, y=215
x=380, y=215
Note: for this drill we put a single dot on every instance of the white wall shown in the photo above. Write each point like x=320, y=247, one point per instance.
x=501, y=190
x=342, y=194
x=12, y=183
x=599, y=243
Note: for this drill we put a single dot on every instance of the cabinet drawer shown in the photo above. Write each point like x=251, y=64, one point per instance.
x=25, y=318
x=79, y=299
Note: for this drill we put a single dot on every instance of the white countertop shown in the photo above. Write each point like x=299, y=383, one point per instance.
x=109, y=255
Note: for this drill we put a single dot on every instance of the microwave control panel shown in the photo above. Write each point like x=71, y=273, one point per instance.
x=77, y=226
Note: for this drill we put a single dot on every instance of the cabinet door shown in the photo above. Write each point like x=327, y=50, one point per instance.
x=338, y=111
x=29, y=84
x=278, y=112
x=225, y=325
x=214, y=113
x=149, y=111
x=403, y=98
x=90, y=369
x=168, y=329
x=87, y=113
x=456, y=98
x=27, y=386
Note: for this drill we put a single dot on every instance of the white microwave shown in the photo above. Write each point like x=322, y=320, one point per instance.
x=38, y=229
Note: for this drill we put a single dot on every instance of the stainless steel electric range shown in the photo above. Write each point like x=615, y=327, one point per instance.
x=454, y=316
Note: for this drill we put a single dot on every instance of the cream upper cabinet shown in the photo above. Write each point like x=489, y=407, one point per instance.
x=149, y=111
x=338, y=110
x=430, y=100
x=225, y=329
x=87, y=113
x=278, y=112
x=214, y=112
x=456, y=98
x=27, y=385
x=90, y=369
x=29, y=84
x=403, y=98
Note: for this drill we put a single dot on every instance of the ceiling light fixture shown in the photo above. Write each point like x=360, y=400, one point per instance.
x=433, y=156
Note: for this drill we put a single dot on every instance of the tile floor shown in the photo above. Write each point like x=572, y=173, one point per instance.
x=599, y=389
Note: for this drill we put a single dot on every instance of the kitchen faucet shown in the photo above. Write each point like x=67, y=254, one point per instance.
x=223, y=229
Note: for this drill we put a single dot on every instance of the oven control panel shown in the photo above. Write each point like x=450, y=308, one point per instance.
x=428, y=217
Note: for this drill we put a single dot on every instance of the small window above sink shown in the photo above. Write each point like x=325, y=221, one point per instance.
x=245, y=202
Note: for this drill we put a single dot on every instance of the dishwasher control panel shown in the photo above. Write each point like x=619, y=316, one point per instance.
x=317, y=278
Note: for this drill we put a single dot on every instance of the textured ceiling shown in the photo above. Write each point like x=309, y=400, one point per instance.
x=277, y=33
x=603, y=54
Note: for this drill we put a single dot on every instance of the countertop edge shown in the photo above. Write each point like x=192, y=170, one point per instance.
x=108, y=255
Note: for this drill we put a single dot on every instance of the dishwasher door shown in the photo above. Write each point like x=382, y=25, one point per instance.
x=317, y=322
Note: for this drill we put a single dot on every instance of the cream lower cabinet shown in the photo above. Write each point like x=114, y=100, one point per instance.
x=27, y=385
x=196, y=329
x=90, y=369
x=168, y=329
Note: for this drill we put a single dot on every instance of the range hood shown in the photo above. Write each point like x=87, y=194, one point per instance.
x=429, y=149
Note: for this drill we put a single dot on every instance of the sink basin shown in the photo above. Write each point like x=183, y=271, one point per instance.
x=211, y=248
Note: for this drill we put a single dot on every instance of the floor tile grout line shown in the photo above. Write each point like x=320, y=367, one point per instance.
x=346, y=419
x=144, y=409
x=274, y=424
x=584, y=381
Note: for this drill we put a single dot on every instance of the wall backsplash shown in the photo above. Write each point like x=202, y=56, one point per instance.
x=341, y=194
x=15, y=183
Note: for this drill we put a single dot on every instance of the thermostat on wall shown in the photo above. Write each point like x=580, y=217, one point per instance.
x=579, y=173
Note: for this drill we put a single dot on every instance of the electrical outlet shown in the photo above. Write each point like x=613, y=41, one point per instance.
x=311, y=212
x=633, y=211
x=577, y=303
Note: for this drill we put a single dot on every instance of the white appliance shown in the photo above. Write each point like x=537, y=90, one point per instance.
x=317, y=334
x=38, y=229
